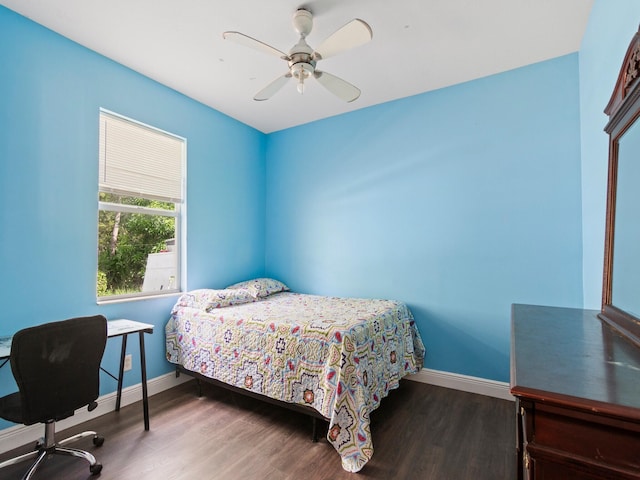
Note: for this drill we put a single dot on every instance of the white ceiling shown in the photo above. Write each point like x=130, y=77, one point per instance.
x=417, y=46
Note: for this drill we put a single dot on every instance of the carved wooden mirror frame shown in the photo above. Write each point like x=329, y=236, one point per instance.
x=623, y=110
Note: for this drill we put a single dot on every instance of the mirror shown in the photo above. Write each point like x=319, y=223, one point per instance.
x=621, y=283
x=625, y=282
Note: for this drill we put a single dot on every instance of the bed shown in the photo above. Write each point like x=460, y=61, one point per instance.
x=338, y=357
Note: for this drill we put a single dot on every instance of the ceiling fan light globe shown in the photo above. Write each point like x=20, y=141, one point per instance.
x=302, y=70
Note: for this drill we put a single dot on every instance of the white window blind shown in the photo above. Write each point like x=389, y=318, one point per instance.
x=139, y=161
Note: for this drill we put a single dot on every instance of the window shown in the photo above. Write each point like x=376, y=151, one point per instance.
x=140, y=209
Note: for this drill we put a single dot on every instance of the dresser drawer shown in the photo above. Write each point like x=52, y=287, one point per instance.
x=598, y=443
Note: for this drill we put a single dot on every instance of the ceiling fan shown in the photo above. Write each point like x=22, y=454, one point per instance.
x=302, y=59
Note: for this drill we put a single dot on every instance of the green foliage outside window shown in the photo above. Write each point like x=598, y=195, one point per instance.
x=126, y=239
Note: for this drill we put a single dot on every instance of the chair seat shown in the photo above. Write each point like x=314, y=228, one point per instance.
x=10, y=408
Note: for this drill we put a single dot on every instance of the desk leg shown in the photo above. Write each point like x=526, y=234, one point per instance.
x=143, y=371
x=123, y=353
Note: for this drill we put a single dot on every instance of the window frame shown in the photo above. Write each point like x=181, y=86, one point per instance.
x=179, y=213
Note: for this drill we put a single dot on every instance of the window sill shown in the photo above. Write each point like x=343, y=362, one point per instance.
x=107, y=301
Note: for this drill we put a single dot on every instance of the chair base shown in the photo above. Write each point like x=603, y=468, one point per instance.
x=47, y=446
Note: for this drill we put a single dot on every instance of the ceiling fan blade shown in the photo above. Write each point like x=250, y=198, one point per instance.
x=340, y=88
x=250, y=42
x=355, y=33
x=267, y=92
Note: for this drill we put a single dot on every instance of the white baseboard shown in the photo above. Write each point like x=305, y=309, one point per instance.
x=482, y=386
x=13, y=437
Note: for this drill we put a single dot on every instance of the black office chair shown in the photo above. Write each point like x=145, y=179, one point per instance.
x=56, y=367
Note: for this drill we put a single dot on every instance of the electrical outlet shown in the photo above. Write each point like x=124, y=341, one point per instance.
x=127, y=363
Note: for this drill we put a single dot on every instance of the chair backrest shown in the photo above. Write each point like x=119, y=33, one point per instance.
x=57, y=366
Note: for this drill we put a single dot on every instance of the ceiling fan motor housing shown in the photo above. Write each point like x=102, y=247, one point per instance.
x=301, y=59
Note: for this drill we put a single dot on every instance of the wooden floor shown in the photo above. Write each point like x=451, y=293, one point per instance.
x=420, y=432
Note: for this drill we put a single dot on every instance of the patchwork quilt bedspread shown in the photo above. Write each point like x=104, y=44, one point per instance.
x=340, y=356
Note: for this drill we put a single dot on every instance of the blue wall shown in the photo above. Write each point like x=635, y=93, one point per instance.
x=611, y=26
x=459, y=202
x=51, y=90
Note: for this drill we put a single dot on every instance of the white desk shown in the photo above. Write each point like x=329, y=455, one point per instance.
x=122, y=328
x=115, y=328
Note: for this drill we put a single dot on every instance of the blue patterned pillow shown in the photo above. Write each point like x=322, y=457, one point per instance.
x=260, y=287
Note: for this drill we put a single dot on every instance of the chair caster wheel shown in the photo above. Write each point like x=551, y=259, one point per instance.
x=98, y=441
x=95, y=469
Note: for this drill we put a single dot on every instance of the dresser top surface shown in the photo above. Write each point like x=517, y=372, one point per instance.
x=559, y=353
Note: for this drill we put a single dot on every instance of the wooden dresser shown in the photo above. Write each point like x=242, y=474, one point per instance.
x=577, y=388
